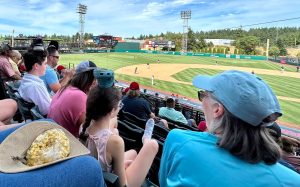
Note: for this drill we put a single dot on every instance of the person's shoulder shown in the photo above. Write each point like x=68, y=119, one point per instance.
x=125, y=98
x=162, y=108
x=142, y=100
x=115, y=139
x=284, y=174
x=188, y=135
x=74, y=92
x=178, y=133
x=115, y=142
x=177, y=112
x=4, y=62
x=50, y=71
x=3, y=59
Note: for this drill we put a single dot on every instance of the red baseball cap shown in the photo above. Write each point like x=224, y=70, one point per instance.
x=202, y=126
x=134, y=86
x=60, y=67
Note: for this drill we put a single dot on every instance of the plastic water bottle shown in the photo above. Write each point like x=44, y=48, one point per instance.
x=149, y=129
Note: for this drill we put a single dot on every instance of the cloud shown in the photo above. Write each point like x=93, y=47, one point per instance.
x=135, y=17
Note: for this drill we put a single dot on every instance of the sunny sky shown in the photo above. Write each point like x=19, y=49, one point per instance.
x=128, y=18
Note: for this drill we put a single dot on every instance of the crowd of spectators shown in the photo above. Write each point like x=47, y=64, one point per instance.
x=239, y=141
x=138, y=106
x=68, y=106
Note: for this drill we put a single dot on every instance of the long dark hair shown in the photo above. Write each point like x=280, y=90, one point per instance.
x=100, y=102
x=247, y=142
x=83, y=81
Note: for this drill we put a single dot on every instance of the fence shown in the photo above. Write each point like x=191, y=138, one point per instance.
x=216, y=55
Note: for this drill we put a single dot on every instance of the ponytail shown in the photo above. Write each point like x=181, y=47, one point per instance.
x=107, y=98
x=83, y=135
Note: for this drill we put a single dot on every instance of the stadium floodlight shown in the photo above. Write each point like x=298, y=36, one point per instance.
x=185, y=16
x=81, y=10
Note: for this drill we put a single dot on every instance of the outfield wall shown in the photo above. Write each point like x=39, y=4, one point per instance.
x=216, y=55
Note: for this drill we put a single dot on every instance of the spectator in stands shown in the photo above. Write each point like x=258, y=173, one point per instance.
x=60, y=69
x=103, y=104
x=285, y=142
x=237, y=106
x=169, y=112
x=69, y=104
x=138, y=106
x=50, y=78
x=7, y=72
x=124, y=92
x=32, y=88
x=8, y=108
x=15, y=58
x=289, y=146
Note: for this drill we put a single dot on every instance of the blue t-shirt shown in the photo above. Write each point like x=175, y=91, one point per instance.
x=193, y=159
x=49, y=78
x=137, y=106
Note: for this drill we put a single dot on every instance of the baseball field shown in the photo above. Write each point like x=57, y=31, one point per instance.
x=174, y=74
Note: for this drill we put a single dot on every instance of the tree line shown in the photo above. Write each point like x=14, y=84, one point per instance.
x=246, y=41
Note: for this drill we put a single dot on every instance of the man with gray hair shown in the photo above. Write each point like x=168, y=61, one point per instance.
x=15, y=58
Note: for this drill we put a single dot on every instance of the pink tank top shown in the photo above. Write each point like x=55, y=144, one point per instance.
x=98, y=142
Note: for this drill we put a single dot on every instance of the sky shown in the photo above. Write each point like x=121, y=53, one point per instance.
x=127, y=18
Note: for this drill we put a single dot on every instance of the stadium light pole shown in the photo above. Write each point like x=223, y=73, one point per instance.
x=12, y=38
x=185, y=16
x=81, y=10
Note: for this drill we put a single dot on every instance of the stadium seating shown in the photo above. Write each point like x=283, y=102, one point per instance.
x=177, y=125
x=24, y=107
x=36, y=115
x=3, y=93
x=111, y=180
x=188, y=111
x=12, y=88
x=130, y=118
x=131, y=134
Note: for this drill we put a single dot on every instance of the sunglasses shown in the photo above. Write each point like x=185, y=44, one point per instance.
x=202, y=94
x=57, y=57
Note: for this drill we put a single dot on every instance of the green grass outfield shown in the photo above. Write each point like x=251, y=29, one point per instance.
x=282, y=86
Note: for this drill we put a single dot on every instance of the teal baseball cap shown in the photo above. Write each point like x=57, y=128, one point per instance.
x=243, y=94
x=105, y=77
